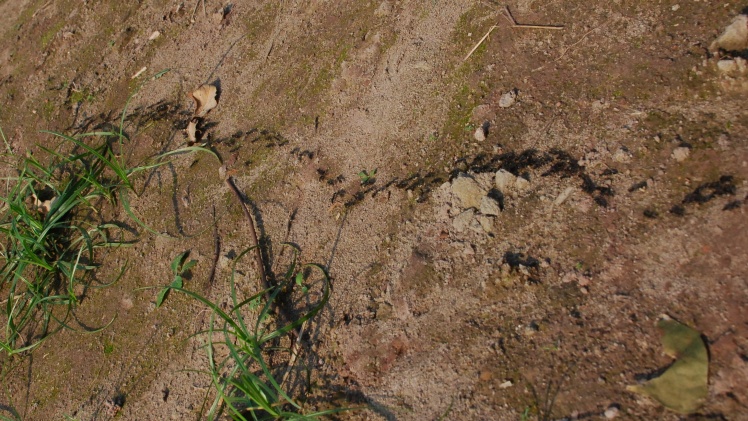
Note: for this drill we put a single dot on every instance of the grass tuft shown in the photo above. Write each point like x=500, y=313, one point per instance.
x=48, y=232
x=247, y=386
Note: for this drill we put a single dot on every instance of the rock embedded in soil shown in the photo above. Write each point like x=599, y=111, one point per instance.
x=504, y=180
x=462, y=221
x=468, y=191
x=561, y=198
x=508, y=99
x=489, y=206
x=734, y=66
x=486, y=222
x=734, y=37
x=681, y=153
x=522, y=184
x=611, y=412
x=480, y=134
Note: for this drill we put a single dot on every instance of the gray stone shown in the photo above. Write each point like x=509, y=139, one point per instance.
x=508, y=99
x=486, y=222
x=489, y=206
x=480, y=134
x=504, y=180
x=727, y=66
x=681, y=153
x=462, y=221
x=561, y=198
x=468, y=191
x=734, y=37
x=611, y=412
x=521, y=184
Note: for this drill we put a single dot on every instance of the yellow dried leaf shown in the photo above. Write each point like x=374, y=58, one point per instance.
x=205, y=99
x=683, y=387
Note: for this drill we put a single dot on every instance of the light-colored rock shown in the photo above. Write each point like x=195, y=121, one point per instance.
x=735, y=66
x=734, y=37
x=727, y=66
x=480, y=134
x=680, y=153
x=467, y=191
x=504, y=180
x=476, y=226
x=486, y=222
x=561, y=198
x=611, y=412
x=507, y=384
x=462, y=221
x=489, y=206
x=508, y=99
x=485, y=180
x=622, y=156
x=522, y=184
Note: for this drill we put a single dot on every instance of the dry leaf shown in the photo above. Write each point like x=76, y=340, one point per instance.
x=683, y=387
x=205, y=99
x=43, y=206
x=192, y=130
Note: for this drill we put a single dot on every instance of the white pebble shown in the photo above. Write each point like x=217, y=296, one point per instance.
x=611, y=412
x=508, y=99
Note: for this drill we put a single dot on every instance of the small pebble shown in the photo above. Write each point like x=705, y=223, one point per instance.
x=489, y=206
x=480, y=134
x=508, y=99
x=505, y=180
x=507, y=384
x=462, y=221
x=522, y=184
x=681, y=153
x=611, y=412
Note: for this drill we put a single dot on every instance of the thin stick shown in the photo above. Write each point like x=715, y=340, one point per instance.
x=563, y=53
x=480, y=42
x=519, y=25
x=538, y=26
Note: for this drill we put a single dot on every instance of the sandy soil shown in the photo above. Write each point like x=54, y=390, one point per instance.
x=619, y=123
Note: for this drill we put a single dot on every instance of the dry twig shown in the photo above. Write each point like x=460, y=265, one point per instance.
x=514, y=23
x=520, y=25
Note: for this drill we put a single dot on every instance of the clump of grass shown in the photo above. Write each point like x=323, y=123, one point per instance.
x=246, y=385
x=47, y=219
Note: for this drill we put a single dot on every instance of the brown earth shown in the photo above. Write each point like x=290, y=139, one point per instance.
x=551, y=314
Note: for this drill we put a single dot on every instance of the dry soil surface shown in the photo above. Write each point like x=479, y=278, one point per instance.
x=538, y=301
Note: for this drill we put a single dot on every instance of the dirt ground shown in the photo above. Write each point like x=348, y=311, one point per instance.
x=631, y=145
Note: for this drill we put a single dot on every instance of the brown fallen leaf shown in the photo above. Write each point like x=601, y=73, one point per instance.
x=43, y=206
x=683, y=387
x=205, y=99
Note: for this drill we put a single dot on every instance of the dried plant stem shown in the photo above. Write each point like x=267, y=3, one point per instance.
x=480, y=42
x=520, y=25
x=514, y=23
